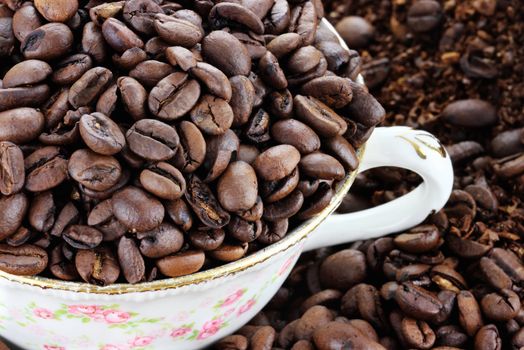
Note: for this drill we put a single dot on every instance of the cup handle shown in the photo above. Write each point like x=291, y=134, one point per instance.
x=402, y=147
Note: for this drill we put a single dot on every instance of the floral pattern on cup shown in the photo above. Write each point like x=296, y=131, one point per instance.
x=236, y=303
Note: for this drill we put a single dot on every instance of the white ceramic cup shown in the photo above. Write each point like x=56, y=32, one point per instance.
x=193, y=311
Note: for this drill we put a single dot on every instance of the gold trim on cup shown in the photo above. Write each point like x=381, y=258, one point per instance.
x=294, y=237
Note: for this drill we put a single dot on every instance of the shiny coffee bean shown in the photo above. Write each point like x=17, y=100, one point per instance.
x=180, y=213
x=45, y=169
x=12, y=175
x=94, y=171
x=191, y=151
x=319, y=117
x=164, y=181
x=82, y=237
x=86, y=89
x=12, y=212
x=204, y=204
x=97, y=266
x=153, y=140
x=227, y=53
x=137, y=210
x=101, y=134
x=277, y=162
x=207, y=239
x=48, y=42
x=25, y=260
x=131, y=261
x=424, y=15
x=181, y=264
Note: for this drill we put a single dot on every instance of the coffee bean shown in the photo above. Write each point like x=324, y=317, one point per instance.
x=45, y=169
x=419, y=240
x=12, y=211
x=333, y=91
x=93, y=42
x=506, y=143
x=417, y=302
x=71, y=68
x=212, y=115
x=229, y=252
x=232, y=342
x=271, y=71
x=181, y=57
x=207, y=239
x=304, y=22
x=192, y=149
x=284, y=208
x=131, y=261
x=356, y=31
x=48, y=42
x=319, y=117
x=101, y=134
x=137, y=210
x=227, y=53
x=97, y=266
x=321, y=166
x=215, y=81
x=86, y=89
x=470, y=113
x=149, y=73
x=333, y=275
x=119, y=36
x=501, y=306
x=57, y=11
x=237, y=188
x=284, y=44
x=153, y=140
x=60, y=267
x=12, y=175
x=487, y=338
x=219, y=151
x=424, y=15
x=278, y=18
x=273, y=191
x=177, y=31
x=297, y=134
x=82, y=237
x=140, y=15
x=164, y=181
x=204, y=204
x=94, y=171
x=470, y=317
x=25, y=20
x=277, y=162
x=164, y=240
x=181, y=264
x=68, y=215
x=41, y=213
x=26, y=260
x=130, y=58
x=257, y=127
x=337, y=335
x=28, y=72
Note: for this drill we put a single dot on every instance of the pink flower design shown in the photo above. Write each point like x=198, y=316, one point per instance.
x=210, y=328
x=179, y=332
x=44, y=313
x=246, y=307
x=233, y=298
x=115, y=347
x=141, y=341
x=286, y=265
x=53, y=347
x=115, y=316
x=83, y=309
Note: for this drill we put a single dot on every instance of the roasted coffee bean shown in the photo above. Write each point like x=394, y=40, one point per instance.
x=470, y=113
x=356, y=31
x=101, y=134
x=205, y=204
x=20, y=237
x=68, y=215
x=48, y=42
x=493, y=274
x=133, y=97
x=207, y=239
x=501, y=306
x=107, y=102
x=278, y=18
x=131, y=261
x=94, y=171
x=23, y=96
x=181, y=264
x=82, y=237
x=153, y=140
x=97, y=266
x=271, y=72
x=57, y=11
x=102, y=218
x=506, y=143
x=150, y=72
x=364, y=108
x=12, y=212
x=140, y=15
x=424, y=15
x=25, y=260
x=273, y=191
x=337, y=335
x=333, y=275
x=257, y=127
x=45, y=169
x=12, y=175
x=317, y=201
x=508, y=262
x=227, y=53
x=244, y=231
x=181, y=57
x=304, y=22
x=164, y=181
x=93, y=42
x=281, y=103
x=419, y=240
x=470, y=317
x=254, y=213
x=319, y=117
x=60, y=267
x=28, y=72
x=130, y=58
x=277, y=162
x=321, y=166
x=297, y=134
x=41, y=213
x=247, y=153
x=242, y=99
x=192, y=149
x=333, y=91
x=119, y=36
x=25, y=20
x=86, y=89
x=273, y=231
x=229, y=14
x=417, y=302
x=487, y=338
x=284, y=208
x=71, y=68
x=177, y=31
x=219, y=151
x=284, y=44
x=213, y=79
x=343, y=151
x=232, y=342
x=229, y=252
x=304, y=60
x=212, y=115
x=417, y=334
x=137, y=210
x=237, y=188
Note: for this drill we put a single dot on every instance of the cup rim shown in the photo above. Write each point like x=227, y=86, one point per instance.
x=292, y=238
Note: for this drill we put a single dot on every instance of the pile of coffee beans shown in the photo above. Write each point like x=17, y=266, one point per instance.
x=142, y=139
x=456, y=281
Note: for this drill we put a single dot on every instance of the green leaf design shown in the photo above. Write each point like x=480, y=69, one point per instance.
x=193, y=335
x=86, y=320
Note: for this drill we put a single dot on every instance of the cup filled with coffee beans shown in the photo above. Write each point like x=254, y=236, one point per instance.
x=163, y=165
